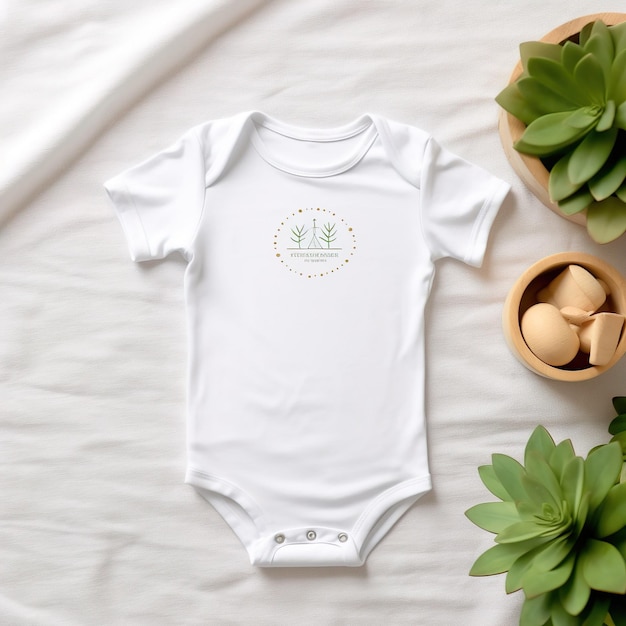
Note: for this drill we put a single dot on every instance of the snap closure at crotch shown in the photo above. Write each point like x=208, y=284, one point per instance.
x=316, y=546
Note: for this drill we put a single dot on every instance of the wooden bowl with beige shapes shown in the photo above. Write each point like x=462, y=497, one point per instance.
x=546, y=283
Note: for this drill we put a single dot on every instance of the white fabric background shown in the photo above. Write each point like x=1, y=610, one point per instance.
x=96, y=526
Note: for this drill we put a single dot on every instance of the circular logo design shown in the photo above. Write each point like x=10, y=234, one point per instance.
x=314, y=242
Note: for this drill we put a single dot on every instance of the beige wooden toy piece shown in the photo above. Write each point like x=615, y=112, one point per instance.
x=574, y=287
x=575, y=316
x=600, y=335
x=548, y=335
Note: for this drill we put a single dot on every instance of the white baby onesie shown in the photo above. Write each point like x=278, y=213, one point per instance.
x=310, y=260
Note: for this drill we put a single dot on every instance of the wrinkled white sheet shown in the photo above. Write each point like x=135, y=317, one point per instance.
x=96, y=525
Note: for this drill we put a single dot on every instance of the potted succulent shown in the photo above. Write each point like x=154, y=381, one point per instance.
x=560, y=526
x=566, y=106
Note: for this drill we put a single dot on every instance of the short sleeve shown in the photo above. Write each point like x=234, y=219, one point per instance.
x=459, y=202
x=159, y=202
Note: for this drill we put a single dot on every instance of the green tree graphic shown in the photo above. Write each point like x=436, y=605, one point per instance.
x=298, y=234
x=329, y=234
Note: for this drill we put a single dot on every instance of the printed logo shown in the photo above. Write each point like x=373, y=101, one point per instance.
x=314, y=242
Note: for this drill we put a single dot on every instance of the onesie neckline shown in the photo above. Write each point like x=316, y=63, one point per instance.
x=364, y=125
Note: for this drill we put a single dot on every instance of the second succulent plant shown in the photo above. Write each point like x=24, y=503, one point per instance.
x=560, y=528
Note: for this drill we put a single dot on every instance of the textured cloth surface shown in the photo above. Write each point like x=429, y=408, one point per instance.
x=96, y=525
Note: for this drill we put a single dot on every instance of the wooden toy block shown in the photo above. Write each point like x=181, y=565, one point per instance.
x=600, y=335
x=575, y=287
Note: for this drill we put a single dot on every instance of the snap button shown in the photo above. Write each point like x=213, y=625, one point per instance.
x=342, y=537
x=279, y=538
x=311, y=535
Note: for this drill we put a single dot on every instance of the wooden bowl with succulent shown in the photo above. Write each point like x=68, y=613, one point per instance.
x=563, y=124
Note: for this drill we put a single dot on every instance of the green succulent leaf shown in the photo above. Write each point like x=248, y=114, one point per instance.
x=542, y=97
x=517, y=571
x=620, y=116
x=540, y=483
x=589, y=73
x=619, y=404
x=600, y=44
x=611, y=516
x=618, y=425
x=553, y=75
x=583, y=512
x=606, y=120
x=536, y=611
x=492, y=482
x=603, y=566
x=494, y=517
x=498, y=559
x=606, y=182
x=561, y=456
x=617, y=80
x=606, y=220
x=537, y=583
x=543, y=558
x=618, y=32
x=529, y=49
x=522, y=531
x=602, y=469
x=559, y=184
x=590, y=155
x=571, y=53
x=621, y=439
x=585, y=33
x=511, y=100
x=584, y=117
x=575, y=594
x=560, y=617
x=551, y=554
x=549, y=134
x=577, y=202
x=509, y=473
x=541, y=443
x=528, y=510
x=572, y=483
x=598, y=27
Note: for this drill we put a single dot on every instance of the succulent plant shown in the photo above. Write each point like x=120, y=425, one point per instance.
x=560, y=526
x=572, y=99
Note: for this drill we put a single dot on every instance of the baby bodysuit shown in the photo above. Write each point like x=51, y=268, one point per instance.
x=310, y=257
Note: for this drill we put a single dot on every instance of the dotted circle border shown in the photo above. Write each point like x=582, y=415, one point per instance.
x=336, y=268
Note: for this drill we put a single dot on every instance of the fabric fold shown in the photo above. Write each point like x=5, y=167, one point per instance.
x=136, y=55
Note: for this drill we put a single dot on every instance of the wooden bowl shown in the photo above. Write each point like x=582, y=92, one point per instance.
x=530, y=169
x=523, y=295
